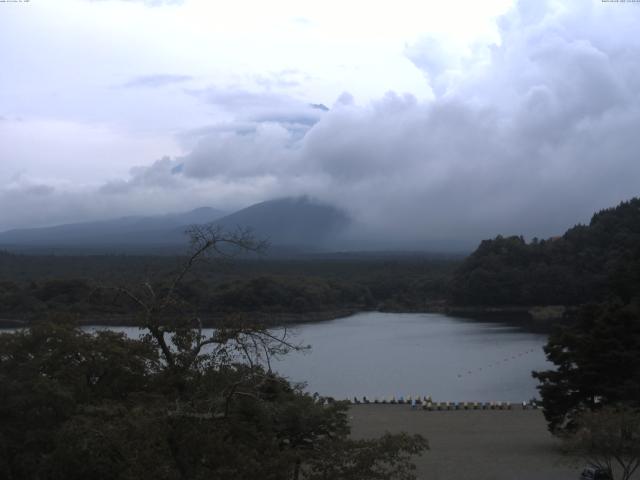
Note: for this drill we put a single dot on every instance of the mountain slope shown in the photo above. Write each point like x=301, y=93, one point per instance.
x=290, y=222
x=287, y=222
x=135, y=230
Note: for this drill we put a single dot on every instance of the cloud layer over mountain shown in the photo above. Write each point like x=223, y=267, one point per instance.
x=526, y=136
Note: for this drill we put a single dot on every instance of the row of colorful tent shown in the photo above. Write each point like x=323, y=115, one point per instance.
x=409, y=400
x=426, y=403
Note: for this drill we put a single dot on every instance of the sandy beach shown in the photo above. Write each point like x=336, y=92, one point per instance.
x=472, y=444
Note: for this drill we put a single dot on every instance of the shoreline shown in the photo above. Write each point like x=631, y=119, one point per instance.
x=535, y=319
x=208, y=321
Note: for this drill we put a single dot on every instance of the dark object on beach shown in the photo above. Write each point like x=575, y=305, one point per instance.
x=594, y=473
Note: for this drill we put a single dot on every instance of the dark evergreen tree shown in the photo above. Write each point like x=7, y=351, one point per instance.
x=597, y=363
x=588, y=263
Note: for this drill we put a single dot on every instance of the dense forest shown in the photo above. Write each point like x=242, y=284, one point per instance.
x=589, y=263
x=33, y=286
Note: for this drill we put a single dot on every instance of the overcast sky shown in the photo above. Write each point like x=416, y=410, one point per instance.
x=424, y=119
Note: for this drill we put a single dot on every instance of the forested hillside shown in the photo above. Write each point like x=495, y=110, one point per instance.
x=589, y=263
x=35, y=287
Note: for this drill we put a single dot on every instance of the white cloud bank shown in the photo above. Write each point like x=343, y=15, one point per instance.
x=528, y=135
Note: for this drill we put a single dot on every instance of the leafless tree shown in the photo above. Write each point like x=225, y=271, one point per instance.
x=178, y=333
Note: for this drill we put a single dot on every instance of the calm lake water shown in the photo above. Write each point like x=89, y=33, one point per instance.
x=384, y=354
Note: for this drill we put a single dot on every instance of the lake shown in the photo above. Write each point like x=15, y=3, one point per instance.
x=384, y=354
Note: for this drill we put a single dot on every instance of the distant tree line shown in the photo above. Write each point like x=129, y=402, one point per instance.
x=588, y=263
x=264, y=293
x=267, y=287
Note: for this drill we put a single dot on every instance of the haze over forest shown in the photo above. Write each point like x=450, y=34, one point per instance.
x=426, y=124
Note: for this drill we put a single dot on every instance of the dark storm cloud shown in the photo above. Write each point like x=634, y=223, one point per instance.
x=251, y=109
x=162, y=174
x=155, y=81
x=531, y=143
x=530, y=137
